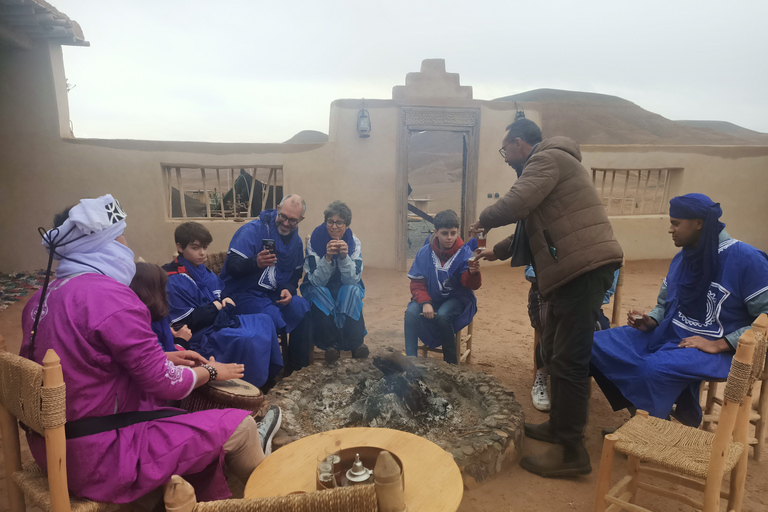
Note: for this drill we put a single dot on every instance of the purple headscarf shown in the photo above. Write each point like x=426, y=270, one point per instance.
x=699, y=263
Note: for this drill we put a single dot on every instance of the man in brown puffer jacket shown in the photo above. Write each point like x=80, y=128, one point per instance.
x=574, y=254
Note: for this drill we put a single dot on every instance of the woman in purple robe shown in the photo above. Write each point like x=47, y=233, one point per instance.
x=114, y=367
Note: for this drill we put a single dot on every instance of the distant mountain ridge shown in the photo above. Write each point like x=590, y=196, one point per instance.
x=591, y=118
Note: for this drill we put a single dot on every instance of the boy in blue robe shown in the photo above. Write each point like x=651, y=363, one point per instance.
x=442, y=281
x=265, y=279
x=715, y=288
x=195, y=300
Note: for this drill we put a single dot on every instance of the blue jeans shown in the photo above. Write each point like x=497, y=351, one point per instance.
x=445, y=314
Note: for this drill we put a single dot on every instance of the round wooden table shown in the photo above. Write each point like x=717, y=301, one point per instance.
x=432, y=479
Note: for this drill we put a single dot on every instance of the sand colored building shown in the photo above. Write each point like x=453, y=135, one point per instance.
x=44, y=168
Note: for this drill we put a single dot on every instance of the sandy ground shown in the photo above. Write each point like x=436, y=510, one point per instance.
x=503, y=343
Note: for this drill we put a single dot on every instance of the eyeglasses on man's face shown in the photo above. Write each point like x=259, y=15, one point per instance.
x=503, y=150
x=291, y=222
x=338, y=223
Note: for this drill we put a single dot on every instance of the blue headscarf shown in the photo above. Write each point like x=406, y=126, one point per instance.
x=699, y=263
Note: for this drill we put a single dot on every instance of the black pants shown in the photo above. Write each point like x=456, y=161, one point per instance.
x=299, y=345
x=566, y=348
x=326, y=335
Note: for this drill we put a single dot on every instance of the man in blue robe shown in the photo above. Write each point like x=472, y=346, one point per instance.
x=263, y=277
x=715, y=288
x=195, y=300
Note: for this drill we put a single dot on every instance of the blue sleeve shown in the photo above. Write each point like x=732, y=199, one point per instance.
x=530, y=275
x=246, y=242
x=183, y=297
x=612, y=289
x=418, y=270
x=754, y=272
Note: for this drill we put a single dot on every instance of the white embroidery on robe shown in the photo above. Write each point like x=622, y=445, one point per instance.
x=173, y=373
x=711, y=325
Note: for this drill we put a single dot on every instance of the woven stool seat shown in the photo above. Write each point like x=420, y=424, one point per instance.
x=34, y=482
x=360, y=498
x=672, y=445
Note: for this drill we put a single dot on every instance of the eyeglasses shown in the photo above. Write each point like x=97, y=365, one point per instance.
x=338, y=223
x=291, y=222
x=503, y=151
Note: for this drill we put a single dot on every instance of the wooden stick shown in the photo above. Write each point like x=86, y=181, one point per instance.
x=55, y=441
x=181, y=193
x=9, y=430
x=682, y=498
x=739, y=472
x=604, y=477
x=250, y=195
x=205, y=194
x=221, y=196
x=610, y=192
x=624, y=194
x=169, y=181
x=617, y=299
x=234, y=192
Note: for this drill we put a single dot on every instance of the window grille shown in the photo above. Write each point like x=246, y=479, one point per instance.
x=221, y=192
x=634, y=191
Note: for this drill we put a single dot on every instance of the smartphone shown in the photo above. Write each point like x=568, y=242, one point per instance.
x=269, y=245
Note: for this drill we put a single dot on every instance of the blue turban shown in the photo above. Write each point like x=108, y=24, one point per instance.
x=699, y=263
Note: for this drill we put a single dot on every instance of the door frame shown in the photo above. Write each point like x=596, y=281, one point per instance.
x=463, y=120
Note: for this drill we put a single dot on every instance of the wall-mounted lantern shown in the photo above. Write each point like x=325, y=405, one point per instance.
x=363, y=122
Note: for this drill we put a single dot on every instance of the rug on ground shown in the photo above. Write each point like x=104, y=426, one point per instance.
x=15, y=285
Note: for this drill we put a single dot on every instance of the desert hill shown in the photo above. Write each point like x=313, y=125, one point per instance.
x=591, y=118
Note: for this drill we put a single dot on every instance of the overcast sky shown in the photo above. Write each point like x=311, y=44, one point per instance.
x=255, y=71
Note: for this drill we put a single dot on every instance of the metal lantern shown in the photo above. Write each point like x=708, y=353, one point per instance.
x=363, y=123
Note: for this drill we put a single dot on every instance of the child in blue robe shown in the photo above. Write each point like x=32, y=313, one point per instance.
x=442, y=281
x=195, y=299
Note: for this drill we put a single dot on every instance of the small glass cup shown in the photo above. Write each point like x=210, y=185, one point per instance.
x=325, y=476
x=481, y=239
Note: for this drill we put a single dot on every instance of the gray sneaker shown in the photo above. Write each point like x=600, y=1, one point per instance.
x=268, y=427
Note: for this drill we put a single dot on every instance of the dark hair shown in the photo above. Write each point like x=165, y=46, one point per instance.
x=59, y=218
x=340, y=209
x=149, y=285
x=446, y=219
x=525, y=129
x=190, y=232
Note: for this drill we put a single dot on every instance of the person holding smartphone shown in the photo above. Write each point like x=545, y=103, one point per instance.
x=333, y=285
x=262, y=270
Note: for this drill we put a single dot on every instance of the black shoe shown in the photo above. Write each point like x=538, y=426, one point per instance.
x=559, y=461
x=361, y=352
x=540, y=432
x=331, y=355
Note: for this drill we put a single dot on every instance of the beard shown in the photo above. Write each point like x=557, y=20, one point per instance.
x=518, y=167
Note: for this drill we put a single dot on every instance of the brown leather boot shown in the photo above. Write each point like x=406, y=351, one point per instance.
x=540, y=432
x=559, y=461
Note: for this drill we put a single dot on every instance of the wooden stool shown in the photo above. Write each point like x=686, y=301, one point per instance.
x=462, y=356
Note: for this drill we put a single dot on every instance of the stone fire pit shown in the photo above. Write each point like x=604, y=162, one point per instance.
x=466, y=412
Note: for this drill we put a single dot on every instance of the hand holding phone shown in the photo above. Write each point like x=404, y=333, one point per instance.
x=269, y=245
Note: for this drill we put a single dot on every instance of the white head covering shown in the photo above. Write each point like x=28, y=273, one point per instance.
x=85, y=242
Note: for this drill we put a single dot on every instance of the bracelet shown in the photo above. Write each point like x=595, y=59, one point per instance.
x=212, y=373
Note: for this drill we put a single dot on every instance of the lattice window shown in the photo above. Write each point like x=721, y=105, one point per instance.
x=634, y=191
x=221, y=192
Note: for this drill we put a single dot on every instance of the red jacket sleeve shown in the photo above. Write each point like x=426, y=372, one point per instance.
x=471, y=281
x=419, y=291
